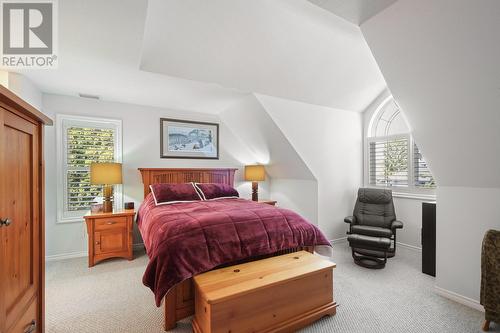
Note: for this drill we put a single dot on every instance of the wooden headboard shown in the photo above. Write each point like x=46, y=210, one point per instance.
x=161, y=175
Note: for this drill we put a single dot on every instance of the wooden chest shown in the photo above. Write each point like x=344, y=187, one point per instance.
x=278, y=294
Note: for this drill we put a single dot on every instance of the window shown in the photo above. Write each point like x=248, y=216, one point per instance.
x=393, y=158
x=81, y=141
x=422, y=174
x=389, y=162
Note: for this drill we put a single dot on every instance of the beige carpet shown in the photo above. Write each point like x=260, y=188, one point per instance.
x=110, y=297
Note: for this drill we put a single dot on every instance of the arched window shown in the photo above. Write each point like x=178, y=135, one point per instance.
x=392, y=155
x=389, y=121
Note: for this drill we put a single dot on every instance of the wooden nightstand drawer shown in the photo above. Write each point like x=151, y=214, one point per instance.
x=110, y=223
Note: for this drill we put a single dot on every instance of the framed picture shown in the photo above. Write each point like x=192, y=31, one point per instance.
x=188, y=139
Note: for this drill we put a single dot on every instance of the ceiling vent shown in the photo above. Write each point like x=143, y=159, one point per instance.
x=89, y=96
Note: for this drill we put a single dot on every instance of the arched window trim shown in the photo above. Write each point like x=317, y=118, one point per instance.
x=377, y=115
x=411, y=190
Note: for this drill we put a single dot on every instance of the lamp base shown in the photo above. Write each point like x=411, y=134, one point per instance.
x=255, y=191
x=107, y=203
x=107, y=206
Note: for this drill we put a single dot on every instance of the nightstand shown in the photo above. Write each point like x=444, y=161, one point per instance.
x=110, y=235
x=269, y=202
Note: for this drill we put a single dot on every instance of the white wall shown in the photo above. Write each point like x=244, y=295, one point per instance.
x=141, y=148
x=4, y=79
x=329, y=141
x=299, y=195
x=409, y=210
x=464, y=214
x=22, y=87
x=292, y=183
x=440, y=61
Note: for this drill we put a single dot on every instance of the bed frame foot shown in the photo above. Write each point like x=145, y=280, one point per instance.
x=169, y=306
x=486, y=325
x=169, y=327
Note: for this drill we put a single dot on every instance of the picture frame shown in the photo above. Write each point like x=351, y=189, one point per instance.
x=188, y=139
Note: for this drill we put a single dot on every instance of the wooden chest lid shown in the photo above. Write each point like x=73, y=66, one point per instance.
x=228, y=282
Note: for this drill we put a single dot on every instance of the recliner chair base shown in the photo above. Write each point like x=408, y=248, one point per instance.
x=376, y=253
x=372, y=261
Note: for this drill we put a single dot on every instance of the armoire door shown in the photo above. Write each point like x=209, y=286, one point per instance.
x=19, y=225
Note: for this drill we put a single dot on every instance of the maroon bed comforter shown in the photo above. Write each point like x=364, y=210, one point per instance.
x=185, y=239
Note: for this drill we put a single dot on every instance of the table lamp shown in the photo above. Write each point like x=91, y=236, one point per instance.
x=106, y=174
x=255, y=173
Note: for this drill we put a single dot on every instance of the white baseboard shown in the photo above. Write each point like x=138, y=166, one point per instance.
x=338, y=240
x=440, y=291
x=344, y=240
x=63, y=256
x=138, y=246
x=410, y=247
x=80, y=254
x=459, y=298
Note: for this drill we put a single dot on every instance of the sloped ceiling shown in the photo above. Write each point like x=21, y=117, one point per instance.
x=99, y=53
x=251, y=123
x=355, y=11
x=289, y=49
x=440, y=60
x=204, y=55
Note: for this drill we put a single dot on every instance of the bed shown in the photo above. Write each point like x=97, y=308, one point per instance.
x=188, y=238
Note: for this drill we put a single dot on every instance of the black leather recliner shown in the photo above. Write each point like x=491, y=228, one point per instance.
x=372, y=230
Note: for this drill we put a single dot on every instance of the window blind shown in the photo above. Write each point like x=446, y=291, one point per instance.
x=85, y=145
x=421, y=172
x=388, y=159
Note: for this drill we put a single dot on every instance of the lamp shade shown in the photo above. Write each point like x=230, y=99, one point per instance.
x=255, y=173
x=105, y=173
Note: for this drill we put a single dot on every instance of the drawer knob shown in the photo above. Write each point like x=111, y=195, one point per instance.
x=97, y=243
x=31, y=327
x=111, y=223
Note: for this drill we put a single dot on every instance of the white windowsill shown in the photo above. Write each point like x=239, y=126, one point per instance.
x=415, y=196
x=70, y=220
x=407, y=193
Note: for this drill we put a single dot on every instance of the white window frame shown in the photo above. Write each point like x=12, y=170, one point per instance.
x=64, y=121
x=411, y=191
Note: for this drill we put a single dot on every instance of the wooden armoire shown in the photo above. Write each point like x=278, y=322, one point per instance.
x=21, y=215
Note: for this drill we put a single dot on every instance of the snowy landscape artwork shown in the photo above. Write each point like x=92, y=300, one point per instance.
x=188, y=139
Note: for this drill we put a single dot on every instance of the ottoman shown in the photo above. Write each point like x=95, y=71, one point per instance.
x=369, y=251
